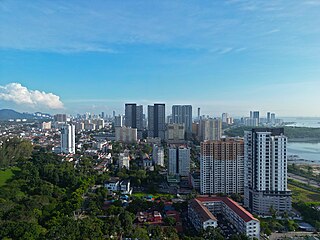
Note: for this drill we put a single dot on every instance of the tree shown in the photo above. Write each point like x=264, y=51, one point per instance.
x=140, y=233
x=170, y=221
x=211, y=233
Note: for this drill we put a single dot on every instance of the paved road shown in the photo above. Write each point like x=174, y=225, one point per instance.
x=276, y=236
x=303, y=180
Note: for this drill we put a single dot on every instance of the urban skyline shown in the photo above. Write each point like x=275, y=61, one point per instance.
x=222, y=55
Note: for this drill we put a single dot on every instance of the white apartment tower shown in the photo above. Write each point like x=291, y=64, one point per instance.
x=158, y=155
x=265, y=157
x=68, y=139
x=179, y=161
x=222, y=166
x=124, y=160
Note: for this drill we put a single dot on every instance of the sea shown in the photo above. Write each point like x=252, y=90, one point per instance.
x=309, y=151
x=311, y=122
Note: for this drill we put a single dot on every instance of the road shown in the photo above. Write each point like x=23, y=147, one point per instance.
x=303, y=180
x=275, y=236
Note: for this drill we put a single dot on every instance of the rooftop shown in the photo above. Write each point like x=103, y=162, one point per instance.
x=239, y=210
x=204, y=213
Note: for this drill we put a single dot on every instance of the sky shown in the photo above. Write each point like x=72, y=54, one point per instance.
x=223, y=55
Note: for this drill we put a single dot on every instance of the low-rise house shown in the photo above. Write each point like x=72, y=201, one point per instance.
x=113, y=184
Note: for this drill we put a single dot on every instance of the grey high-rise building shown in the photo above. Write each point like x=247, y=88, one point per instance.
x=182, y=114
x=179, y=161
x=268, y=117
x=134, y=117
x=256, y=115
x=265, y=171
x=156, y=120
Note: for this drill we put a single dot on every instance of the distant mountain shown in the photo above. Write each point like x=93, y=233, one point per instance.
x=6, y=114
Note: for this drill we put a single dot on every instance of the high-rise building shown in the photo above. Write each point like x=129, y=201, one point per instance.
x=222, y=166
x=156, y=121
x=118, y=121
x=102, y=115
x=273, y=118
x=68, y=139
x=226, y=118
x=124, y=160
x=158, y=155
x=60, y=118
x=256, y=115
x=198, y=114
x=175, y=133
x=134, y=117
x=179, y=161
x=182, y=114
x=265, y=164
x=210, y=129
x=126, y=134
x=268, y=117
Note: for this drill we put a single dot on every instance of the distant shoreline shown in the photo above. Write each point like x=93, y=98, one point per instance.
x=305, y=140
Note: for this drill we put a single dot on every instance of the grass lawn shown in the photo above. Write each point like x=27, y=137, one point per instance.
x=156, y=195
x=300, y=194
x=6, y=175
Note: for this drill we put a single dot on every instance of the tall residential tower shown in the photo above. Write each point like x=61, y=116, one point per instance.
x=156, y=121
x=265, y=158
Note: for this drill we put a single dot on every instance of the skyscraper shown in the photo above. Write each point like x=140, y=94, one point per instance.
x=134, y=117
x=68, y=136
x=182, y=114
x=265, y=164
x=156, y=121
x=210, y=129
x=158, y=155
x=256, y=115
x=179, y=161
x=118, y=121
x=268, y=117
x=222, y=166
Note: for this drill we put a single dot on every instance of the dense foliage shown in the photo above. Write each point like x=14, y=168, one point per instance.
x=310, y=213
x=13, y=150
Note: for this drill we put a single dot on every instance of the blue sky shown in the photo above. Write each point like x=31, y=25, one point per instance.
x=223, y=56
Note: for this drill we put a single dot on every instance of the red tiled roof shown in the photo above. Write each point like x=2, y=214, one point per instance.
x=239, y=210
x=204, y=213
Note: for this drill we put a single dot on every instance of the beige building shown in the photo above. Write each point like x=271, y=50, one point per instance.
x=46, y=125
x=126, y=134
x=222, y=166
x=175, y=133
x=210, y=129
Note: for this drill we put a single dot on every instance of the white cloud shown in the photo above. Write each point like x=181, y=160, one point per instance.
x=15, y=92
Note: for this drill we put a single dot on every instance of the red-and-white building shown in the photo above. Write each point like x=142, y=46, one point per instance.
x=239, y=217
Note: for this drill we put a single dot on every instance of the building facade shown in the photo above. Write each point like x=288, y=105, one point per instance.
x=158, y=155
x=124, y=160
x=182, y=114
x=179, y=161
x=126, y=134
x=175, y=133
x=68, y=139
x=156, y=121
x=134, y=117
x=222, y=166
x=240, y=218
x=265, y=162
x=210, y=129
